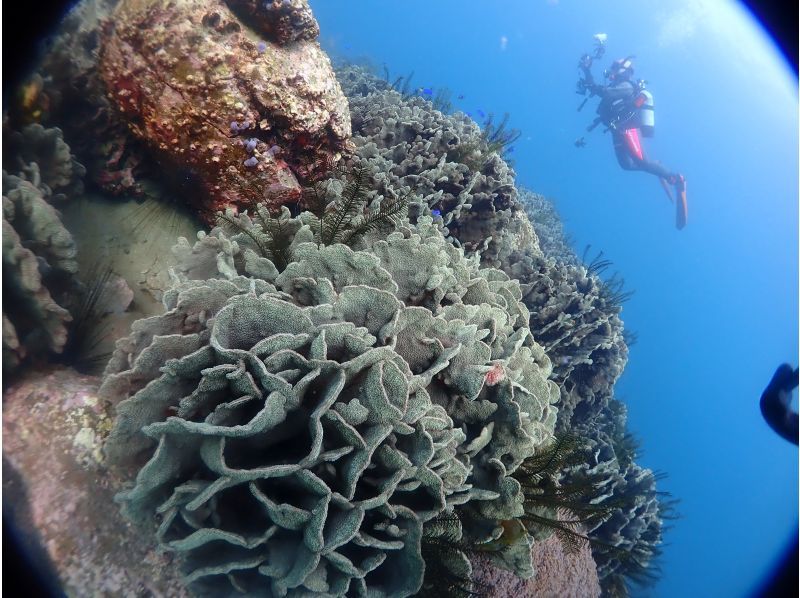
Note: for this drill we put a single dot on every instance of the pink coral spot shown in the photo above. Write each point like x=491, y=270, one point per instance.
x=495, y=375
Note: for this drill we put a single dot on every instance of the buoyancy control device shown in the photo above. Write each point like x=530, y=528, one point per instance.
x=634, y=112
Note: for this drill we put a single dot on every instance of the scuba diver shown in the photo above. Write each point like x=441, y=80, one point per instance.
x=776, y=403
x=626, y=109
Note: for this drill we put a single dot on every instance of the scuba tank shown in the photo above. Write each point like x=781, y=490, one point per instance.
x=643, y=102
x=636, y=112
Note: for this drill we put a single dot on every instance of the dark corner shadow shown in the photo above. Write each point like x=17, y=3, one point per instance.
x=783, y=579
x=27, y=569
x=779, y=18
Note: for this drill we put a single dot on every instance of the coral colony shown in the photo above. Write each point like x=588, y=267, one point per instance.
x=379, y=369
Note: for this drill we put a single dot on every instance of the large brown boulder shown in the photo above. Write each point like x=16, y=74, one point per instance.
x=235, y=96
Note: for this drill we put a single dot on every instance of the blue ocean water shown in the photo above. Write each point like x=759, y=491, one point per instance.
x=715, y=305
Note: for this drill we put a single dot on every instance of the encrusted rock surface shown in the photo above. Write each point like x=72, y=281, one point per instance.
x=558, y=574
x=236, y=97
x=67, y=90
x=60, y=495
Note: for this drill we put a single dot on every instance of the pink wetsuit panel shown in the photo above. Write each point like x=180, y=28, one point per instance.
x=633, y=143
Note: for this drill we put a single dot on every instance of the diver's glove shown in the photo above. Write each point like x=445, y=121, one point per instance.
x=776, y=400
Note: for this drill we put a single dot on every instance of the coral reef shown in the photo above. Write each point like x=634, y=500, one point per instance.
x=53, y=426
x=38, y=252
x=359, y=81
x=412, y=147
x=626, y=545
x=238, y=98
x=46, y=159
x=443, y=159
x=574, y=314
x=580, y=329
x=339, y=402
x=325, y=406
x=544, y=217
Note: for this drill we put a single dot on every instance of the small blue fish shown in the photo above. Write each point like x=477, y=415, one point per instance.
x=481, y=113
x=262, y=47
x=461, y=96
x=427, y=91
x=251, y=162
x=469, y=114
x=251, y=144
x=510, y=150
x=436, y=213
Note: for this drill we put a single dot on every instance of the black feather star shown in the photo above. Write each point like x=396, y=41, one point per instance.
x=574, y=504
x=341, y=220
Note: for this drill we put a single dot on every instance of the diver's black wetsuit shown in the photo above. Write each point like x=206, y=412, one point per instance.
x=607, y=111
x=775, y=403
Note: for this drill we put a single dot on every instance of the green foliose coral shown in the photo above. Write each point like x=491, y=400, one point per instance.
x=39, y=254
x=301, y=425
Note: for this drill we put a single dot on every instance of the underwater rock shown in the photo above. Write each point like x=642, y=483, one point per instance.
x=401, y=381
x=58, y=494
x=115, y=297
x=237, y=98
x=67, y=90
x=558, y=573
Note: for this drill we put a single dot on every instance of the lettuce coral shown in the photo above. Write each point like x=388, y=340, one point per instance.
x=46, y=159
x=445, y=161
x=553, y=241
x=39, y=254
x=411, y=145
x=302, y=424
x=580, y=329
x=626, y=545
